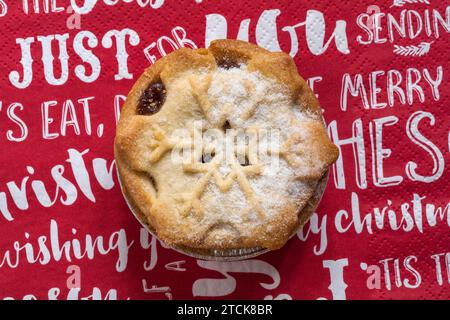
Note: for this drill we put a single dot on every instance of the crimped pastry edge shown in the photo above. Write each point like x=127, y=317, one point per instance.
x=227, y=254
x=304, y=96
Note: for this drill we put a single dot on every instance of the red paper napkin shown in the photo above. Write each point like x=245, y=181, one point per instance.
x=380, y=72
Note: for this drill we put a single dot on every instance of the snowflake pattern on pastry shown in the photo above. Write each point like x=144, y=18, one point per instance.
x=225, y=196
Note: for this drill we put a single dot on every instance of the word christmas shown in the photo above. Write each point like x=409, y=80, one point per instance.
x=402, y=87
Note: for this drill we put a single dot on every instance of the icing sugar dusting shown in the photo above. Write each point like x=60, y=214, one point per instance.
x=250, y=100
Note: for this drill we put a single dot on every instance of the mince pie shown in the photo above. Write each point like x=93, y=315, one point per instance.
x=223, y=148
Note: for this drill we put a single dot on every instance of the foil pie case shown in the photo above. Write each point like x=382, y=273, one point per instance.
x=231, y=254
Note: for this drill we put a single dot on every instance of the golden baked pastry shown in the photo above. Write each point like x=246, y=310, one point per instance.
x=222, y=148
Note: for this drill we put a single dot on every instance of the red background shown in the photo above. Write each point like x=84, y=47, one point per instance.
x=302, y=275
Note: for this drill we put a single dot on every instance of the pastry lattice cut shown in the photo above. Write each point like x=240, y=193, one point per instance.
x=222, y=148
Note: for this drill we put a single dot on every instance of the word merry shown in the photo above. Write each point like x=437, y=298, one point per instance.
x=410, y=24
x=45, y=249
x=83, y=43
x=405, y=87
x=178, y=39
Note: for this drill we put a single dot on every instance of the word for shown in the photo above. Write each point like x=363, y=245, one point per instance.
x=176, y=41
x=381, y=27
